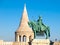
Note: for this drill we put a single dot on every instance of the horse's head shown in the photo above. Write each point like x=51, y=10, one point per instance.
x=31, y=24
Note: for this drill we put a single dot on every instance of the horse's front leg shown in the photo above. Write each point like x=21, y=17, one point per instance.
x=34, y=34
x=47, y=34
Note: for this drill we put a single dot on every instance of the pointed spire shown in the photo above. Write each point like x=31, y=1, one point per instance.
x=24, y=21
x=25, y=15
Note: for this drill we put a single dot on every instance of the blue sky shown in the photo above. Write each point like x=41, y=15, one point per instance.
x=11, y=12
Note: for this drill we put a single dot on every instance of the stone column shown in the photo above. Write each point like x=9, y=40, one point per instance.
x=27, y=38
x=21, y=38
x=17, y=38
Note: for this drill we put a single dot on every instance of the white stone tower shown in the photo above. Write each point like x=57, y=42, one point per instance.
x=24, y=33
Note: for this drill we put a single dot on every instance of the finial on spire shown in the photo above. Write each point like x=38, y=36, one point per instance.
x=25, y=7
x=25, y=4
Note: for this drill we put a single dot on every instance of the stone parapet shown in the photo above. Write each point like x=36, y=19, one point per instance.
x=41, y=42
x=5, y=43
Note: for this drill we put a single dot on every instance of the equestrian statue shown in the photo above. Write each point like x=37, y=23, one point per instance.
x=38, y=26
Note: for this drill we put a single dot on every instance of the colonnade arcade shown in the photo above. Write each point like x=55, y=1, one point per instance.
x=22, y=38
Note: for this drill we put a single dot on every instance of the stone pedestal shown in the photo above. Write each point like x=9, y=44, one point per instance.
x=41, y=42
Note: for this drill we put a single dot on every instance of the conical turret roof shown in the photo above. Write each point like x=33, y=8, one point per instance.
x=24, y=22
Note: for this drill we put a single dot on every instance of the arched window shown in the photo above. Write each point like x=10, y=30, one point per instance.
x=24, y=38
x=20, y=38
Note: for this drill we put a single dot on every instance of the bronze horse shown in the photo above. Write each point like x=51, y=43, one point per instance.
x=40, y=27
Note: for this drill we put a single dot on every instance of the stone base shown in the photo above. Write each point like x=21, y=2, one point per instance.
x=41, y=42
